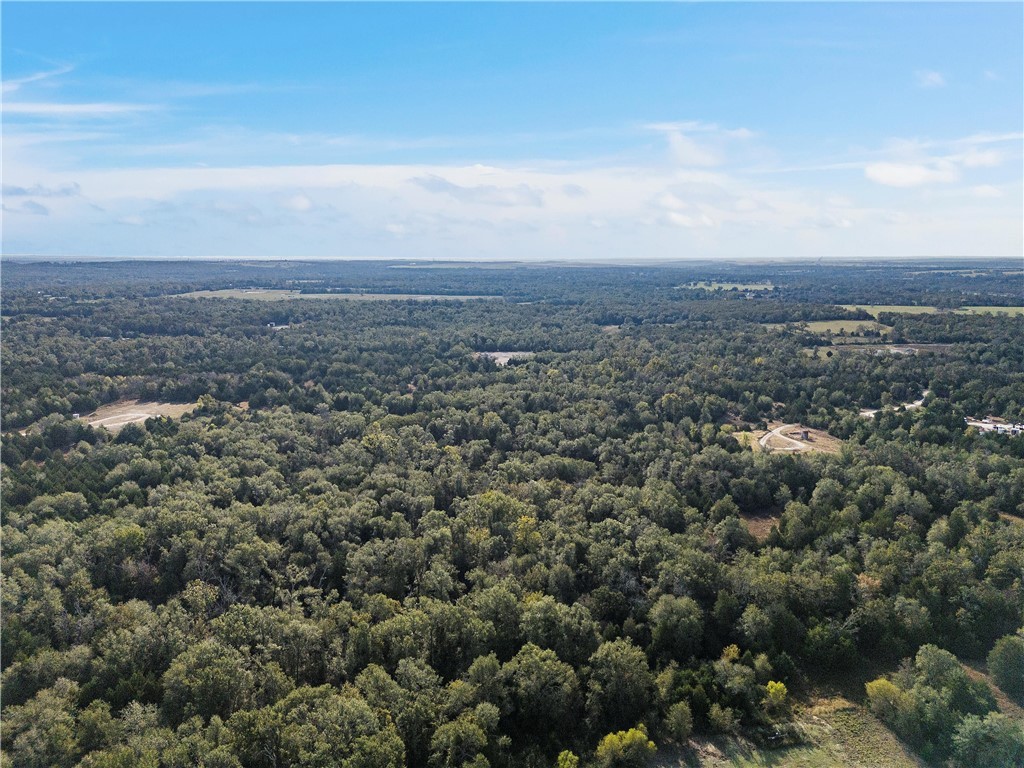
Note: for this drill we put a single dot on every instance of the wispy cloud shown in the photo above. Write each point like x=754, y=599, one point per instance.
x=698, y=126
x=483, y=194
x=14, y=84
x=927, y=78
x=89, y=109
x=64, y=190
x=911, y=175
x=707, y=151
x=30, y=207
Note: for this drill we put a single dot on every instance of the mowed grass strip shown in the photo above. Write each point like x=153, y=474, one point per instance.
x=907, y=309
x=281, y=295
x=849, y=326
x=992, y=310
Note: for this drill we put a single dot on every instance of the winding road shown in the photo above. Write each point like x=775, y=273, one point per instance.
x=777, y=432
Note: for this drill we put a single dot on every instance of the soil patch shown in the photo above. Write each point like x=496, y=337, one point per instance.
x=502, y=358
x=114, y=416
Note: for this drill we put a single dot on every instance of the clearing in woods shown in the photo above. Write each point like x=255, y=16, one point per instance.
x=992, y=310
x=846, y=326
x=502, y=358
x=789, y=438
x=116, y=415
x=876, y=309
x=907, y=309
x=271, y=294
x=836, y=731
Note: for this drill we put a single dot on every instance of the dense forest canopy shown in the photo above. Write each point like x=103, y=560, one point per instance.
x=371, y=544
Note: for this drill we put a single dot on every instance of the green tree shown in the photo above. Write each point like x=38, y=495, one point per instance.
x=625, y=749
x=994, y=741
x=207, y=679
x=621, y=688
x=1006, y=663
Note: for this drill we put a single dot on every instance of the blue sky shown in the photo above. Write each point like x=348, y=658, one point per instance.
x=517, y=131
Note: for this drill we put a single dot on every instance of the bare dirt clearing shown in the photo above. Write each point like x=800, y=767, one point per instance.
x=789, y=438
x=760, y=526
x=878, y=349
x=116, y=415
x=502, y=358
x=869, y=413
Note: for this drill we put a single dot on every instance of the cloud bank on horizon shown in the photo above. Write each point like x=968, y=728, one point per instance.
x=513, y=131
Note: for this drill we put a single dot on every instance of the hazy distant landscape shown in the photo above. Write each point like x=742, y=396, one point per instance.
x=707, y=538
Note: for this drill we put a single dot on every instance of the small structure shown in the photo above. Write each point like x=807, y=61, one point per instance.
x=805, y=435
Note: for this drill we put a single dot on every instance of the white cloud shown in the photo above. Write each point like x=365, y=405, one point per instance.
x=30, y=207
x=686, y=151
x=482, y=194
x=676, y=219
x=689, y=152
x=298, y=203
x=975, y=158
x=927, y=78
x=985, y=192
x=56, y=109
x=910, y=175
x=12, y=85
x=697, y=126
x=527, y=210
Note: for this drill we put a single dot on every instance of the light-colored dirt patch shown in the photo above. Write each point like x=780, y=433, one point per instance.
x=612, y=329
x=502, y=358
x=869, y=413
x=796, y=438
x=877, y=349
x=760, y=526
x=114, y=416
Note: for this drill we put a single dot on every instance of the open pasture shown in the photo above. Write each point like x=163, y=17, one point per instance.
x=1012, y=311
x=907, y=309
x=846, y=326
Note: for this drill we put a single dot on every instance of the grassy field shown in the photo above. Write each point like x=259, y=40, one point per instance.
x=992, y=310
x=280, y=295
x=838, y=732
x=710, y=286
x=849, y=326
x=876, y=309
